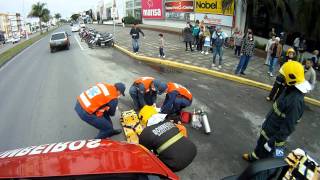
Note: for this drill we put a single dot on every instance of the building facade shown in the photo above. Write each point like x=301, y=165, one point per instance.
x=11, y=24
x=133, y=8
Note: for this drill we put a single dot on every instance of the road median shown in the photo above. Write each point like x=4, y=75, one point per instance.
x=206, y=71
x=10, y=53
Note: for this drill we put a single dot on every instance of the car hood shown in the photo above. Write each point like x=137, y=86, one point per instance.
x=81, y=157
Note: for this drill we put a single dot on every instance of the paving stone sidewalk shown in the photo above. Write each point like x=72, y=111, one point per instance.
x=175, y=50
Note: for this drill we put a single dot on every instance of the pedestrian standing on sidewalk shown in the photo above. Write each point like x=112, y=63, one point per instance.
x=315, y=59
x=187, y=36
x=161, y=52
x=276, y=51
x=237, y=36
x=272, y=33
x=302, y=48
x=247, y=50
x=218, y=39
x=134, y=32
x=207, y=42
x=270, y=42
x=195, y=34
x=310, y=74
x=201, y=38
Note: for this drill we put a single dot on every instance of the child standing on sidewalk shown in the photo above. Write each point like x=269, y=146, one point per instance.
x=161, y=46
x=207, y=42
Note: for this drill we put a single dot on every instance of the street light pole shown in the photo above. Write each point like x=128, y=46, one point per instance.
x=24, y=21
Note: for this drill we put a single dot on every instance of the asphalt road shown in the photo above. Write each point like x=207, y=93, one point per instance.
x=39, y=89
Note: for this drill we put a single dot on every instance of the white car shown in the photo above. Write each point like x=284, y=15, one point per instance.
x=82, y=25
x=14, y=39
x=75, y=28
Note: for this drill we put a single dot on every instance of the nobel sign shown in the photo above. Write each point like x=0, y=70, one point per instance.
x=213, y=7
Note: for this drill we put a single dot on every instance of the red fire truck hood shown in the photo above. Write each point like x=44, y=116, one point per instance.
x=81, y=157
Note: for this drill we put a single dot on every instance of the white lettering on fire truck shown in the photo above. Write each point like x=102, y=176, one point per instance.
x=52, y=148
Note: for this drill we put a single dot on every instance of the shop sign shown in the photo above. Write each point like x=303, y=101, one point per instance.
x=215, y=19
x=152, y=9
x=213, y=7
x=179, y=6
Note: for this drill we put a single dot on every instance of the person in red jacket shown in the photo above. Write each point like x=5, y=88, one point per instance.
x=97, y=104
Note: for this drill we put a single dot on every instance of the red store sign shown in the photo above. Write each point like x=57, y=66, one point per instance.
x=152, y=9
x=179, y=6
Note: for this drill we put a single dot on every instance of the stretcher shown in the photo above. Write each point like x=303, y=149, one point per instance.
x=131, y=126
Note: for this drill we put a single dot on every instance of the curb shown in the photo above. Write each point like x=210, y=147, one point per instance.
x=207, y=72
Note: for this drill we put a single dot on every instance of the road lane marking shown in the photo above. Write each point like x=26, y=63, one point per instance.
x=18, y=55
x=78, y=42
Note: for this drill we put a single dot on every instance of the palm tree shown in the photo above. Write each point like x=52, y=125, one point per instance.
x=39, y=10
x=57, y=16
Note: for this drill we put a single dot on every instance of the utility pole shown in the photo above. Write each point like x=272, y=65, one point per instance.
x=24, y=21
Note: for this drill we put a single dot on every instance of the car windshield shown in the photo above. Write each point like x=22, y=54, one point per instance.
x=58, y=36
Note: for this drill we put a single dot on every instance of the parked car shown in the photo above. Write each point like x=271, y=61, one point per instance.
x=14, y=39
x=59, y=40
x=75, y=28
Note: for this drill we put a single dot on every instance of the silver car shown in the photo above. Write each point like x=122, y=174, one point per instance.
x=59, y=40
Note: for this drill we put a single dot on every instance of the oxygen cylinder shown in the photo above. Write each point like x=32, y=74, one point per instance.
x=205, y=122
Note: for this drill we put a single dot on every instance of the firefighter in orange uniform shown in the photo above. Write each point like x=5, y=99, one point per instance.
x=144, y=91
x=177, y=98
x=97, y=104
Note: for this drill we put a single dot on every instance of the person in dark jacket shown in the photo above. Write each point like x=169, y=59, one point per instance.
x=172, y=148
x=134, y=32
x=247, y=50
x=187, y=36
x=280, y=83
x=286, y=112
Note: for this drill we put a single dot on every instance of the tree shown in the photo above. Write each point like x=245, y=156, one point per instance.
x=38, y=10
x=57, y=16
x=75, y=17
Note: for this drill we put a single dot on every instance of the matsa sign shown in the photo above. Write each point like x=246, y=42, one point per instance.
x=152, y=9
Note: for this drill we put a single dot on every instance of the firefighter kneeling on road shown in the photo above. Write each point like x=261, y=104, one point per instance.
x=144, y=91
x=171, y=146
x=97, y=104
x=177, y=98
x=285, y=114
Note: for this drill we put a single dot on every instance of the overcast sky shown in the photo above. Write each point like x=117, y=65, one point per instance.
x=64, y=7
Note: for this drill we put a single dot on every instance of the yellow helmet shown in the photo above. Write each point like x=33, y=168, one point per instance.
x=293, y=72
x=145, y=114
x=291, y=50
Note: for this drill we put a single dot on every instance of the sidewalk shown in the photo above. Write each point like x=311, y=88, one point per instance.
x=175, y=51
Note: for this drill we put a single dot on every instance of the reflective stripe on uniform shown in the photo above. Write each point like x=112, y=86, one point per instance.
x=264, y=134
x=277, y=111
x=104, y=89
x=279, y=143
x=169, y=142
x=253, y=154
x=85, y=100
